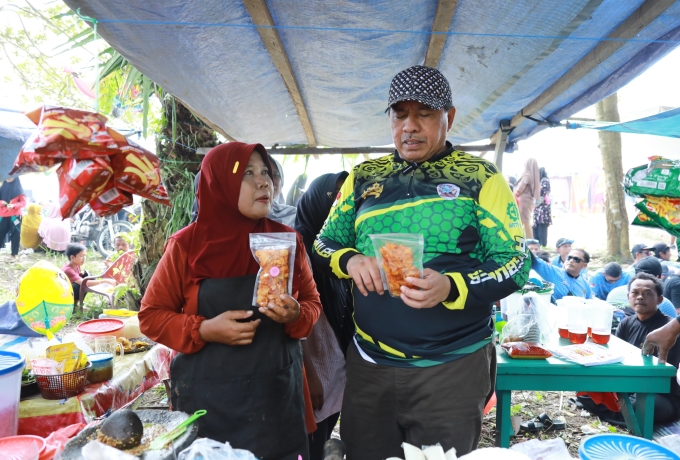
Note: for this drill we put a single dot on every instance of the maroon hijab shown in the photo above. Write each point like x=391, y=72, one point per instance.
x=217, y=244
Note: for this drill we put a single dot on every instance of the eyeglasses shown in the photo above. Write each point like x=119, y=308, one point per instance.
x=578, y=260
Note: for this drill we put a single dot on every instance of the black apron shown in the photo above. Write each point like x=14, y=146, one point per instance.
x=253, y=393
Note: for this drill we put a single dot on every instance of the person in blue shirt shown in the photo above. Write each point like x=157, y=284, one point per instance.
x=610, y=277
x=563, y=247
x=619, y=296
x=639, y=252
x=567, y=280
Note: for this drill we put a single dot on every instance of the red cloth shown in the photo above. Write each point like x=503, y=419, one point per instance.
x=56, y=441
x=18, y=205
x=218, y=242
x=609, y=399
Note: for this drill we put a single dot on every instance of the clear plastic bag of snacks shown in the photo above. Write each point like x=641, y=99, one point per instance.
x=399, y=255
x=275, y=252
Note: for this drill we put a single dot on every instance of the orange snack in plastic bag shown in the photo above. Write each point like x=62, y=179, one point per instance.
x=110, y=201
x=137, y=170
x=525, y=350
x=274, y=276
x=397, y=265
x=80, y=181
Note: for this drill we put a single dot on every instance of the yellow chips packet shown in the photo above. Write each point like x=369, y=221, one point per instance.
x=68, y=355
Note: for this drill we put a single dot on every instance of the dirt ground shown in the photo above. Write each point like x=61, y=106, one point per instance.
x=588, y=231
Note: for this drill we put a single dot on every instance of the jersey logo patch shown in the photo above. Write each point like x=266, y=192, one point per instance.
x=375, y=190
x=448, y=191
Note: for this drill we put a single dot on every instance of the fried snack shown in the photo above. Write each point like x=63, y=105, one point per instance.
x=273, y=277
x=140, y=344
x=397, y=265
x=525, y=350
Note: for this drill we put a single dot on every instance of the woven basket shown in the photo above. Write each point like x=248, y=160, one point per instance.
x=62, y=386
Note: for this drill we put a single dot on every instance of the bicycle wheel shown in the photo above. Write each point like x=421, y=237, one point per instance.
x=105, y=238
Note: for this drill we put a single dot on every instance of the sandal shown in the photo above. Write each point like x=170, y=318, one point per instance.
x=556, y=424
x=532, y=426
x=576, y=403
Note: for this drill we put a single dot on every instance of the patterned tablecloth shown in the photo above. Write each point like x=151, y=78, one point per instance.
x=132, y=376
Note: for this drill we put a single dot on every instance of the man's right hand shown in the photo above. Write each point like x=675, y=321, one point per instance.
x=365, y=273
x=225, y=329
x=663, y=338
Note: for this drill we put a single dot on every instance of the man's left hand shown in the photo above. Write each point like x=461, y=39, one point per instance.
x=434, y=288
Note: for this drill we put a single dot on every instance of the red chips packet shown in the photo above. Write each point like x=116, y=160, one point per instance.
x=29, y=161
x=110, y=201
x=71, y=133
x=525, y=350
x=80, y=181
x=137, y=170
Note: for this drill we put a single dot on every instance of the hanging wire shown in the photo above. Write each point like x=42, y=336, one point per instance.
x=96, y=57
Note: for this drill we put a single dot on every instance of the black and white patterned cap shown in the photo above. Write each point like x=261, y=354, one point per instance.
x=423, y=84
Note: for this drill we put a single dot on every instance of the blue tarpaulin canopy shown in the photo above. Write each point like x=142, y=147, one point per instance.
x=662, y=124
x=15, y=129
x=317, y=72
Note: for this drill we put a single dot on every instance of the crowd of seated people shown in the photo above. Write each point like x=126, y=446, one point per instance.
x=646, y=296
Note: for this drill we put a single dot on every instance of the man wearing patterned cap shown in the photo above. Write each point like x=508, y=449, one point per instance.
x=423, y=364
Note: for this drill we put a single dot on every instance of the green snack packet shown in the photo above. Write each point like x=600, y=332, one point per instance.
x=659, y=178
x=660, y=212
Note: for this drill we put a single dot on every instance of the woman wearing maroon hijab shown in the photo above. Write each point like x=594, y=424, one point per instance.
x=241, y=363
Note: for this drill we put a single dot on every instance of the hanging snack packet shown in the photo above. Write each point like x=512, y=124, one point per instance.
x=399, y=255
x=275, y=252
x=658, y=178
x=643, y=220
x=70, y=133
x=29, y=161
x=111, y=200
x=137, y=170
x=664, y=212
x=80, y=181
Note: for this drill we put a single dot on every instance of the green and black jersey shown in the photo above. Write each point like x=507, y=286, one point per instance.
x=467, y=214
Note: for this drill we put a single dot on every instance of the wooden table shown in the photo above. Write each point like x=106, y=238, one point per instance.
x=639, y=374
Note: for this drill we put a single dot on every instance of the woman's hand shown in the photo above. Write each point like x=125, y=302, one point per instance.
x=284, y=315
x=226, y=329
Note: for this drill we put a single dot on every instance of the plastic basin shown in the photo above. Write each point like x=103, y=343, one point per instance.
x=11, y=365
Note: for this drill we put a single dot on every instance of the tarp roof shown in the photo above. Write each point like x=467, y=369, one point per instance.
x=15, y=129
x=662, y=124
x=317, y=72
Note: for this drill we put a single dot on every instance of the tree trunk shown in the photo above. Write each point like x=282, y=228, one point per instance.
x=181, y=134
x=615, y=209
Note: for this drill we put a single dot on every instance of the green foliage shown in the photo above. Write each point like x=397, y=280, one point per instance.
x=182, y=199
x=27, y=53
x=539, y=396
x=515, y=410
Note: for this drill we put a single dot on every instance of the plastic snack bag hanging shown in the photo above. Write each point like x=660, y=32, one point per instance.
x=275, y=252
x=80, y=181
x=399, y=255
x=137, y=170
x=70, y=133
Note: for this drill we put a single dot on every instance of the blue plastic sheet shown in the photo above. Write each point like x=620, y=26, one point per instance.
x=499, y=56
x=663, y=124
